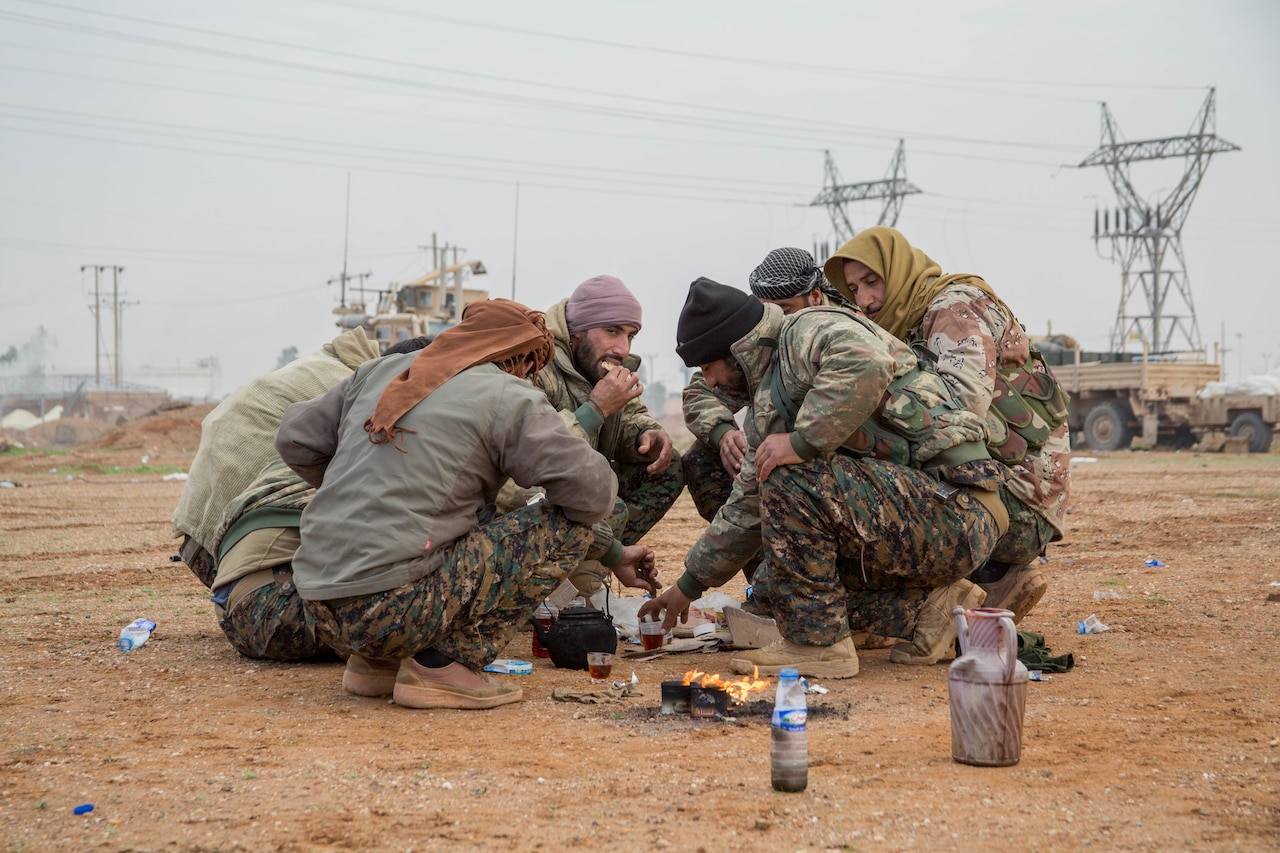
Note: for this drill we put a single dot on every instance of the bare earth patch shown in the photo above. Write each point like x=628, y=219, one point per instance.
x=1166, y=735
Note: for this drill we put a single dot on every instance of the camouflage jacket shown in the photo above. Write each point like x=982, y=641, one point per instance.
x=973, y=339
x=841, y=367
x=706, y=415
x=615, y=436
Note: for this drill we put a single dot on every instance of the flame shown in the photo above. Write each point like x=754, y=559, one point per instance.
x=738, y=690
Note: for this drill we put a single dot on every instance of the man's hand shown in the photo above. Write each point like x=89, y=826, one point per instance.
x=673, y=603
x=775, y=450
x=733, y=449
x=636, y=569
x=619, y=387
x=655, y=442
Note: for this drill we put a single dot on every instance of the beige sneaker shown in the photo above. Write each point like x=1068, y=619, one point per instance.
x=370, y=676
x=935, y=631
x=1018, y=591
x=453, y=686
x=836, y=661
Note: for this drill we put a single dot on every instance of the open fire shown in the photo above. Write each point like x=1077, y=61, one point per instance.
x=739, y=690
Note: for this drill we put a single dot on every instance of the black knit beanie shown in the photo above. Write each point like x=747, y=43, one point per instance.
x=714, y=318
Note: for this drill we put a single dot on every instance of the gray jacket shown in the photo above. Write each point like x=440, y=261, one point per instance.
x=376, y=510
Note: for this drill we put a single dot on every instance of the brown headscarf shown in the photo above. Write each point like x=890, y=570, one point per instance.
x=912, y=279
x=496, y=330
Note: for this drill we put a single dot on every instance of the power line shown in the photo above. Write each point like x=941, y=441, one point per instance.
x=496, y=96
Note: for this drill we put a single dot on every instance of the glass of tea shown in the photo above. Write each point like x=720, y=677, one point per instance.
x=650, y=635
x=600, y=665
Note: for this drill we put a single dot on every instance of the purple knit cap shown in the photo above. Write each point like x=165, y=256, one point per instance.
x=601, y=301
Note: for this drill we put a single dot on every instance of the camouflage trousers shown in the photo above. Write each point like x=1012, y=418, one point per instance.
x=647, y=496
x=858, y=544
x=469, y=607
x=709, y=484
x=1028, y=536
x=198, y=560
x=643, y=499
x=269, y=624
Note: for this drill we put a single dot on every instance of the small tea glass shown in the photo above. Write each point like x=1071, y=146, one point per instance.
x=651, y=636
x=600, y=665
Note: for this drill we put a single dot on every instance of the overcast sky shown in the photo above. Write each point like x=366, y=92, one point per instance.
x=206, y=147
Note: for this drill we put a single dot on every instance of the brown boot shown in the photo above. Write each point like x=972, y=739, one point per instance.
x=935, y=631
x=835, y=661
x=1019, y=590
x=370, y=676
x=453, y=686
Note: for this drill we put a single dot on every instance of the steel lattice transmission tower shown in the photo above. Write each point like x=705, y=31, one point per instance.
x=836, y=194
x=1147, y=238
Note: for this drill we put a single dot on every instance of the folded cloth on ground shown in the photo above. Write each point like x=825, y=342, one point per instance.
x=1036, y=655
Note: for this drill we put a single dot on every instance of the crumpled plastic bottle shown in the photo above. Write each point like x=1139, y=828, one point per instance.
x=135, y=634
x=1091, y=624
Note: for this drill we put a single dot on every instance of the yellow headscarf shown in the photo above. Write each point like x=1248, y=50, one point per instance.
x=912, y=279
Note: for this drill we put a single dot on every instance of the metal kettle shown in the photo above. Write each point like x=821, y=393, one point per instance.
x=578, y=630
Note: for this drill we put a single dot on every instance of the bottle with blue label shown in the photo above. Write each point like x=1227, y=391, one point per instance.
x=789, y=740
x=135, y=634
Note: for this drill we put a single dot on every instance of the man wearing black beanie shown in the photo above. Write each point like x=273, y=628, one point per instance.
x=788, y=278
x=865, y=483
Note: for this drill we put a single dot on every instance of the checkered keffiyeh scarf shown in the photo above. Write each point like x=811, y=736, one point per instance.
x=785, y=273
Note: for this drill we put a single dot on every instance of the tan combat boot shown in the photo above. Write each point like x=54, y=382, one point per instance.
x=835, y=661
x=935, y=630
x=1018, y=591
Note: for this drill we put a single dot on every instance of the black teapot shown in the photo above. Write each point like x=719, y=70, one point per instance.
x=577, y=631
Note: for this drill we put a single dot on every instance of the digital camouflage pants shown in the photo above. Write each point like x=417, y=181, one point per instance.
x=645, y=499
x=269, y=623
x=858, y=544
x=471, y=606
x=647, y=496
x=709, y=484
x=1028, y=536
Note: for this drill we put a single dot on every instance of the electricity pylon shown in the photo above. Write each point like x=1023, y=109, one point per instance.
x=836, y=194
x=1147, y=238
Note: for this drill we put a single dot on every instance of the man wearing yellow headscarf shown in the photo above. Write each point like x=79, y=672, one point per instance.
x=983, y=352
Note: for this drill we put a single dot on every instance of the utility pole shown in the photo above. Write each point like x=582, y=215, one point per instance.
x=1147, y=238
x=893, y=188
x=117, y=317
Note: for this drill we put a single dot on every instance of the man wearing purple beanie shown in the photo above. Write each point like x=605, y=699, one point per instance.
x=593, y=382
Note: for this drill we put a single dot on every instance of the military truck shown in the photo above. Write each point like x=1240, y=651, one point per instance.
x=1117, y=398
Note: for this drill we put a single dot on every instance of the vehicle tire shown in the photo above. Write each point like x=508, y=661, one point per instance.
x=1107, y=426
x=1251, y=426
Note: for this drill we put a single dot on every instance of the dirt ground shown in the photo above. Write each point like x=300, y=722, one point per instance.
x=1166, y=735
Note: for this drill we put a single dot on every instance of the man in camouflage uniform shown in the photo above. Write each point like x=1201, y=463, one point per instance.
x=594, y=384
x=404, y=565
x=983, y=353
x=790, y=279
x=867, y=486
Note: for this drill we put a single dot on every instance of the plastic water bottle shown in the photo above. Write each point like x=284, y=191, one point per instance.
x=135, y=634
x=788, y=738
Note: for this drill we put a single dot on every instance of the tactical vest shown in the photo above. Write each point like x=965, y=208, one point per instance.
x=909, y=427
x=1028, y=404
